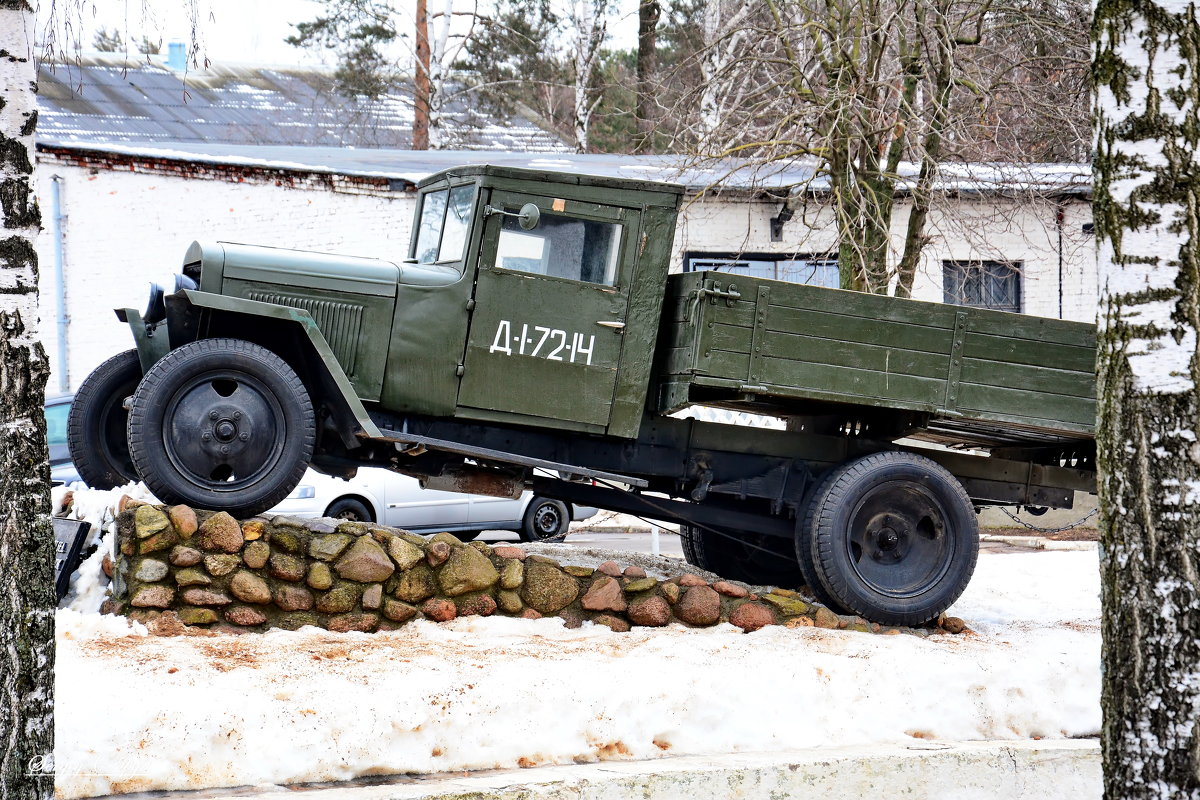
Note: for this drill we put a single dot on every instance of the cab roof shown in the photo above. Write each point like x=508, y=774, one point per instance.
x=669, y=193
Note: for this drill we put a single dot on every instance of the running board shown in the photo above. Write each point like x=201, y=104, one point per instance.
x=445, y=445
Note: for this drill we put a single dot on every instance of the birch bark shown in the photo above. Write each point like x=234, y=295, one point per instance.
x=26, y=542
x=590, y=29
x=1147, y=212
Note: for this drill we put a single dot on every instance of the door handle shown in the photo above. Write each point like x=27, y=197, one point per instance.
x=616, y=325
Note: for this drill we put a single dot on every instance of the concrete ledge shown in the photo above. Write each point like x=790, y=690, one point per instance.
x=1023, y=770
x=1037, y=542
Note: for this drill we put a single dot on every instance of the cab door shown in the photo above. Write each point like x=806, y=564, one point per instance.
x=550, y=307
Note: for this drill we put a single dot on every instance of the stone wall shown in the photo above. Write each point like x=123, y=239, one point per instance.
x=207, y=569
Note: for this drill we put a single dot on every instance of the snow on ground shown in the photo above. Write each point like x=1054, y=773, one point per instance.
x=136, y=712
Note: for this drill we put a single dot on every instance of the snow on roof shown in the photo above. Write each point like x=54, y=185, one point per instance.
x=412, y=166
x=107, y=98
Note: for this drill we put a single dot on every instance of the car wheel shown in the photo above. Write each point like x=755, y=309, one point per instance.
x=465, y=536
x=349, y=509
x=222, y=424
x=892, y=537
x=544, y=519
x=97, y=421
x=742, y=557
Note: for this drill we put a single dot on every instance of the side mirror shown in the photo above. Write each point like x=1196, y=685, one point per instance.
x=529, y=216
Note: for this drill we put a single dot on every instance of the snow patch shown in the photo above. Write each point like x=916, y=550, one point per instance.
x=480, y=693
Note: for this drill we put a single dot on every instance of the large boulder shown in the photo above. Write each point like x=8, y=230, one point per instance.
x=405, y=554
x=365, y=562
x=700, y=605
x=604, y=595
x=547, y=588
x=221, y=533
x=329, y=546
x=651, y=612
x=466, y=570
x=416, y=585
x=250, y=588
x=148, y=520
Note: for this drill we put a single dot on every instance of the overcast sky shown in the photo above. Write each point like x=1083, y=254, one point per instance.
x=233, y=30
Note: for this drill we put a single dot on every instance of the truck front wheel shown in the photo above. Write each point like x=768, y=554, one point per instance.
x=221, y=424
x=892, y=537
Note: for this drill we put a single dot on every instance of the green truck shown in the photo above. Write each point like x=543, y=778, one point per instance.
x=533, y=339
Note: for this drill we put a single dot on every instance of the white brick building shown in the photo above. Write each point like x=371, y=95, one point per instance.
x=130, y=211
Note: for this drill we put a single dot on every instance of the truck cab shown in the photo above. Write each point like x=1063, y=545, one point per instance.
x=523, y=297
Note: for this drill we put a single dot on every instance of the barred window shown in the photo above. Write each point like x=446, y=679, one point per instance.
x=983, y=284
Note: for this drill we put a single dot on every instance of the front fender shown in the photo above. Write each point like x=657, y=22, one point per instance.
x=291, y=333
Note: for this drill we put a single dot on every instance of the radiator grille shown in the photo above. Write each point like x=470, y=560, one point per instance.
x=340, y=323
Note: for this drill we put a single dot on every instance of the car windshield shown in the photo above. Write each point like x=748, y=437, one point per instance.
x=443, y=225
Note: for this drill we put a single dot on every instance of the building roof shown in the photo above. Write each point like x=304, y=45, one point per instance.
x=109, y=98
x=406, y=168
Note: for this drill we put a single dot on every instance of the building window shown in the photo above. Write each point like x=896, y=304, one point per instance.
x=792, y=267
x=983, y=284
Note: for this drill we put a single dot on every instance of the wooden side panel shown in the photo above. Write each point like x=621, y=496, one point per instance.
x=797, y=342
x=1029, y=370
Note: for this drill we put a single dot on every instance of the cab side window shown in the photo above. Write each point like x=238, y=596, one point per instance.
x=561, y=247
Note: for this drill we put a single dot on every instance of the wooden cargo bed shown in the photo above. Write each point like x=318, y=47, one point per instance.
x=975, y=377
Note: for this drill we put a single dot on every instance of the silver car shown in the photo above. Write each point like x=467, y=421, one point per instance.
x=383, y=496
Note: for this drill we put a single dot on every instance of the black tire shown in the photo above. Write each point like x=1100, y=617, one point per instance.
x=804, y=550
x=892, y=537
x=544, y=519
x=350, y=509
x=221, y=424
x=748, y=558
x=97, y=422
x=465, y=536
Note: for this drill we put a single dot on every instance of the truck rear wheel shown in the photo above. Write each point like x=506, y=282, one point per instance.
x=221, y=424
x=740, y=557
x=892, y=537
x=97, y=421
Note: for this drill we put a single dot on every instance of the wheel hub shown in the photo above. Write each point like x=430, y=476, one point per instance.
x=223, y=429
x=547, y=520
x=897, y=542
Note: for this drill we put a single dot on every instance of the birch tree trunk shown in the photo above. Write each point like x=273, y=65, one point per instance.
x=437, y=78
x=590, y=28
x=26, y=541
x=1147, y=212
x=722, y=39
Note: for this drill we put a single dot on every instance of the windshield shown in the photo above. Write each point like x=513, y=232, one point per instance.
x=443, y=225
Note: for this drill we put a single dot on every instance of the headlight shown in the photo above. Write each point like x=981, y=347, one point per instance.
x=303, y=493
x=156, y=306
